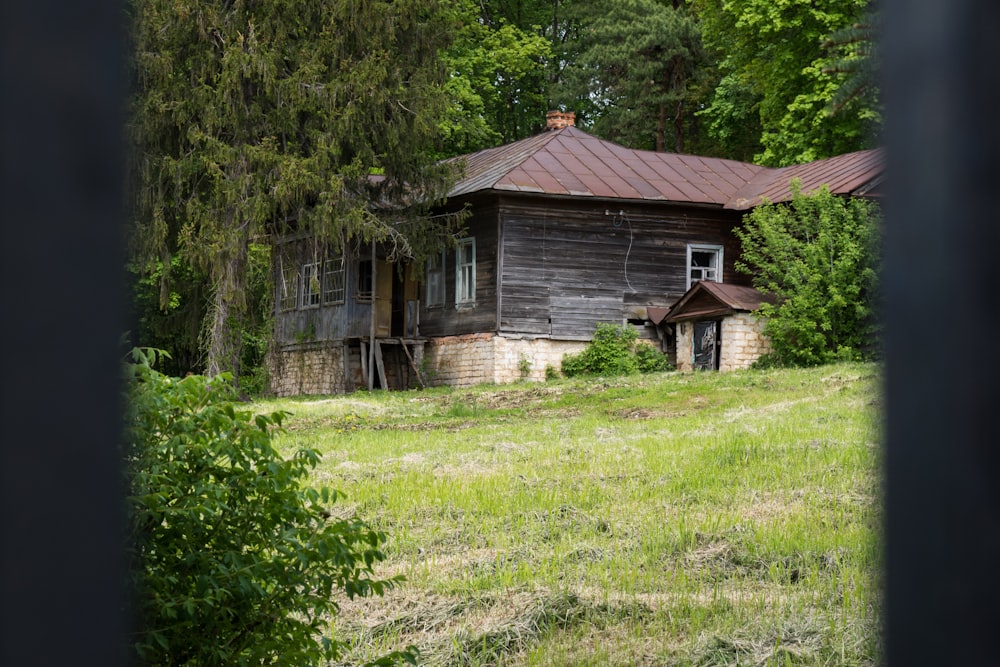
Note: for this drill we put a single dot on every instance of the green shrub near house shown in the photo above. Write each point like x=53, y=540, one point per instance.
x=614, y=350
x=819, y=254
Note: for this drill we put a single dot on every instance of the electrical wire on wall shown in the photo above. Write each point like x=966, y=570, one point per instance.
x=616, y=222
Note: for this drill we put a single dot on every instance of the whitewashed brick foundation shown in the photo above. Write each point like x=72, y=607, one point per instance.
x=743, y=342
x=462, y=361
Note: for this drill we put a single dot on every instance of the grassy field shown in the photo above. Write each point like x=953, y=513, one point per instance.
x=672, y=519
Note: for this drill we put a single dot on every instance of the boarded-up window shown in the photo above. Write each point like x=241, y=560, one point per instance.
x=465, y=271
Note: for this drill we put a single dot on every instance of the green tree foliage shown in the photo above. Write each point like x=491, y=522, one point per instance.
x=175, y=321
x=497, y=81
x=235, y=561
x=253, y=117
x=856, y=57
x=169, y=315
x=773, y=103
x=819, y=255
x=639, y=74
x=614, y=351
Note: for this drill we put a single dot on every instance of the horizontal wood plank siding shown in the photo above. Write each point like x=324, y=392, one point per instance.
x=322, y=322
x=449, y=320
x=567, y=265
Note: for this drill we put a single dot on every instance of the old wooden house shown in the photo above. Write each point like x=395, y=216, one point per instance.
x=566, y=230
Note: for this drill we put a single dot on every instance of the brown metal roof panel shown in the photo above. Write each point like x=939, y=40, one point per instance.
x=598, y=147
x=739, y=297
x=665, y=179
x=566, y=178
x=597, y=186
x=648, y=189
x=547, y=183
x=842, y=174
x=576, y=168
x=521, y=180
x=667, y=190
x=624, y=187
x=656, y=314
x=708, y=298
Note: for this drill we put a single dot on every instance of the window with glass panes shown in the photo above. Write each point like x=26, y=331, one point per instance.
x=434, y=280
x=465, y=271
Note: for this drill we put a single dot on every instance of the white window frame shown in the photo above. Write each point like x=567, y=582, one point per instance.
x=312, y=289
x=434, y=288
x=288, y=289
x=465, y=272
x=713, y=273
x=333, y=288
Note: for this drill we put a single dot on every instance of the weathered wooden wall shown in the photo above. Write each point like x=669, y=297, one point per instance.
x=568, y=264
x=324, y=322
x=449, y=320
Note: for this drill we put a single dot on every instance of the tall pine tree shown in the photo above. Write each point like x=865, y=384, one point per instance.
x=636, y=75
x=252, y=116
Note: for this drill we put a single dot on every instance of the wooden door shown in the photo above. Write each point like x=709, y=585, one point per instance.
x=706, y=346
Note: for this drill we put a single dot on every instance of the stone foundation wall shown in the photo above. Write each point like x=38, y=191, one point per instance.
x=462, y=361
x=316, y=368
x=743, y=342
x=685, y=342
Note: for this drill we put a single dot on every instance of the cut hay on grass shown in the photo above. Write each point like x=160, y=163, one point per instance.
x=694, y=520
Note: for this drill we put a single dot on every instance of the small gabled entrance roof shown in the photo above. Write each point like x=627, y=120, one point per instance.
x=707, y=299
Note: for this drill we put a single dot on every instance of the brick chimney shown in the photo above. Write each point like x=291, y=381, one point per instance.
x=557, y=120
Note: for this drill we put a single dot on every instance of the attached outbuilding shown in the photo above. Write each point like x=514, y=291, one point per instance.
x=715, y=327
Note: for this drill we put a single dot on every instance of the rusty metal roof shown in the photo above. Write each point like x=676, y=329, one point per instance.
x=852, y=173
x=571, y=162
x=707, y=299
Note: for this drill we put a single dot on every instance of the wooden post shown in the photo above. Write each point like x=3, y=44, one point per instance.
x=380, y=365
x=371, y=347
x=364, y=360
x=413, y=364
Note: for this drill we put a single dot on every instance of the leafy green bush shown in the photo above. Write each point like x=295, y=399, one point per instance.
x=613, y=351
x=235, y=560
x=819, y=255
x=650, y=359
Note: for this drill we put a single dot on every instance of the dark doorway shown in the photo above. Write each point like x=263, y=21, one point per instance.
x=706, y=343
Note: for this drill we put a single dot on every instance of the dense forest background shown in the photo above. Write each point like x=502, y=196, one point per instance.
x=251, y=117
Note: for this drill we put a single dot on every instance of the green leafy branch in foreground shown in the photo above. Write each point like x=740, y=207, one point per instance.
x=235, y=560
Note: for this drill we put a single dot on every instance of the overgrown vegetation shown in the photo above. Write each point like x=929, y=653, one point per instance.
x=614, y=351
x=234, y=560
x=819, y=255
x=690, y=520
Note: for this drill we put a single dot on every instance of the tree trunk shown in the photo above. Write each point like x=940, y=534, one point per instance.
x=677, y=88
x=228, y=305
x=661, y=129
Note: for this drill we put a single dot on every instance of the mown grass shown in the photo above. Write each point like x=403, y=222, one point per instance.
x=675, y=519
